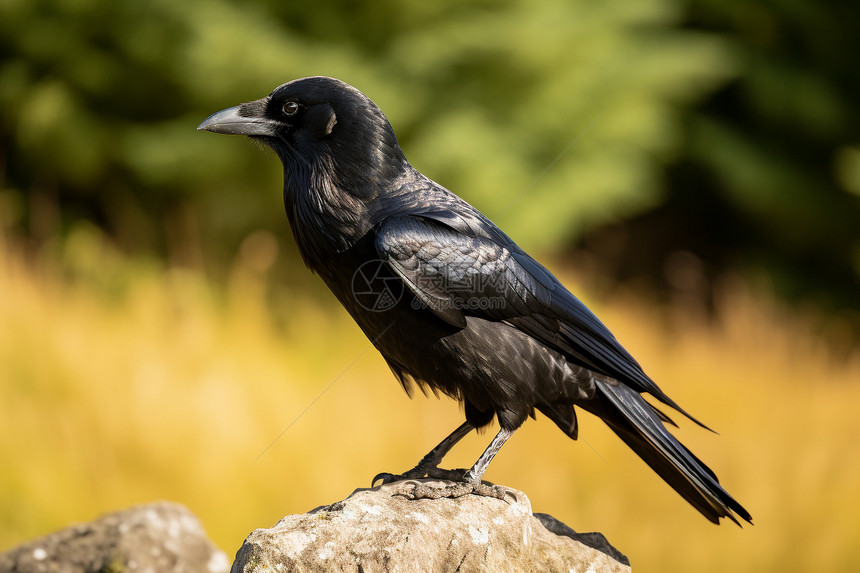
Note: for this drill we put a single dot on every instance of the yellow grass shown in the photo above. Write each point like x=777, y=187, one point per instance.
x=121, y=383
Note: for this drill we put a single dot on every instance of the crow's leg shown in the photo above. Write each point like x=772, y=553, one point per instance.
x=429, y=464
x=471, y=482
x=475, y=474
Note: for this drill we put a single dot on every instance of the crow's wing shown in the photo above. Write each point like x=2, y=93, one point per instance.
x=476, y=270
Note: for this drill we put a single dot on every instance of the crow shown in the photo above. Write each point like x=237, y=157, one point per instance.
x=449, y=300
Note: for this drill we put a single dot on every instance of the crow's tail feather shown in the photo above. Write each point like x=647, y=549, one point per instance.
x=635, y=421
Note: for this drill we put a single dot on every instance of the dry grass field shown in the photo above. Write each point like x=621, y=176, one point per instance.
x=123, y=383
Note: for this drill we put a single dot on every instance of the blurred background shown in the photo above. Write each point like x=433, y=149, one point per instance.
x=690, y=168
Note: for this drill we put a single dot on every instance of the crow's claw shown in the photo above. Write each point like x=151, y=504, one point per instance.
x=386, y=478
x=449, y=475
x=419, y=472
x=436, y=490
x=414, y=473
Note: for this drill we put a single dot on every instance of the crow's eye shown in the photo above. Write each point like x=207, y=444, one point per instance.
x=290, y=108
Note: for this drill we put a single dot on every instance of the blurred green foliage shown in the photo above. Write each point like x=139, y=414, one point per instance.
x=101, y=99
x=556, y=118
x=768, y=181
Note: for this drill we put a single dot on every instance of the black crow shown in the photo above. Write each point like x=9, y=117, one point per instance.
x=449, y=300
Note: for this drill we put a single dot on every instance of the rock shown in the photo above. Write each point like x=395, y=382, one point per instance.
x=157, y=538
x=379, y=529
x=592, y=539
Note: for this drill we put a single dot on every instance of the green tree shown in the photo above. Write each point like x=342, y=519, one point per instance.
x=554, y=116
x=768, y=181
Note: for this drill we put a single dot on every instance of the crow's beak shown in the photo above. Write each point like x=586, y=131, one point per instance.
x=230, y=121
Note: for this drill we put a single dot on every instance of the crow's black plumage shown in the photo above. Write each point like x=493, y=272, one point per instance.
x=449, y=300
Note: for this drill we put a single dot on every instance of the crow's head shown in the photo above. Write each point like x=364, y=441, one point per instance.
x=319, y=123
x=339, y=154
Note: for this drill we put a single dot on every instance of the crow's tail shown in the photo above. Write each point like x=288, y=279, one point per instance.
x=636, y=422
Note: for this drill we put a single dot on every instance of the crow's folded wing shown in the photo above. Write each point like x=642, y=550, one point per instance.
x=480, y=272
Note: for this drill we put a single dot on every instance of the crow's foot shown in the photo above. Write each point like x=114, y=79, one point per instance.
x=452, y=489
x=385, y=477
x=418, y=473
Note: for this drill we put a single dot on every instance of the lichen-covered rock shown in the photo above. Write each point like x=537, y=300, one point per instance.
x=155, y=538
x=379, y=529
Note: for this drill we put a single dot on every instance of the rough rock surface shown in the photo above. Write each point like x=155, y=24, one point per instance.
x=379, y=529
x=155, y=538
